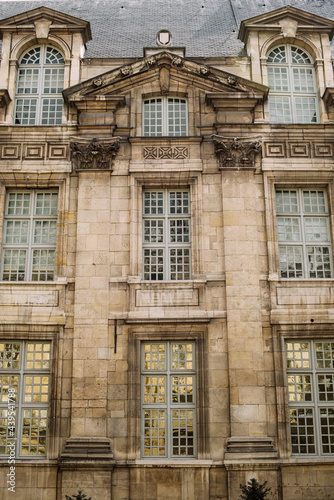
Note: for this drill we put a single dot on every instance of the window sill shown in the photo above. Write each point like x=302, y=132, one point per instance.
x=168, y=462
x=59, y=281
x=307, y=460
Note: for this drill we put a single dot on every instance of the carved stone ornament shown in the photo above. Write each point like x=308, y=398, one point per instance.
x=177, y=61
x=97, y=82
x=236, y=153
x=93, y=154
x=125, y=71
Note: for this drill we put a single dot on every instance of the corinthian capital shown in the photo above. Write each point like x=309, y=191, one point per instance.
x=236, y=153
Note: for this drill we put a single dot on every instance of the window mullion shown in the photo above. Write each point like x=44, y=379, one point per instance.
x=164, y=117
x=30, y=237
x=303, y=235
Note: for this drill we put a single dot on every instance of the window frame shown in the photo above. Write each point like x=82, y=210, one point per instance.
x=167, y=246
x=165, y=117
x=22, y=372
x=302, y=215
x=29, y=247
x=291, y=94
x=168, y=406
x=314, y=404
x=39, y=96
x=152, y=333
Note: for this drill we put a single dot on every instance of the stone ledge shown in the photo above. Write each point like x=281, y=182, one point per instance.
x=250, y=447
x=86, y=448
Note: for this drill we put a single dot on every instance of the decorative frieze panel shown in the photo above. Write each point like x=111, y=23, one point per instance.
x=298, y=149
x=93, y=154
x=236, y=153
x=167, y=297
x=10, y=151
x=33, y=151
x=169, y=153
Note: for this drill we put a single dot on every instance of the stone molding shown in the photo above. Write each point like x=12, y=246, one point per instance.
x=235, y=153
x=298, y=149
x=93, y=154
x=39, y=151
x=176, y=153
x=250, y=447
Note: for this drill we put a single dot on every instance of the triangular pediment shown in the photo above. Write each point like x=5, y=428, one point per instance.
x=163, y=67
x=58, y=21
x=272, y=21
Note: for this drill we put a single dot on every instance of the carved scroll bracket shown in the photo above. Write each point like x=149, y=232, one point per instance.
x=93, y=154
x=237, y=153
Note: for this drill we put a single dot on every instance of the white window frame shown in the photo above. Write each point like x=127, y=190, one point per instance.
x=34, y=105
x=161, y=220
x=27, y=227
x=310, y=380
x=163, y=118
x=302, y=219
x=289, y=96
x=24, y=378
x=165, y=445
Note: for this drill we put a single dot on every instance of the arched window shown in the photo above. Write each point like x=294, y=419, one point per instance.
x=292, y=97
x=40, y=82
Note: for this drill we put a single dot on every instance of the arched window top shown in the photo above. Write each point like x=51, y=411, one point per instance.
x=288, y=54
x=36, y=55
x=291, y=78
x=40, y=81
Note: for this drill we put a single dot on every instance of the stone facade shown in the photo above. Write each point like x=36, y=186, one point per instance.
x=237, y=310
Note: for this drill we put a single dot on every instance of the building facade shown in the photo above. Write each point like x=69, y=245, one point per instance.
x=166, y=290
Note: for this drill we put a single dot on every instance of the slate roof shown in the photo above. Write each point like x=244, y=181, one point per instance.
x=207, y=28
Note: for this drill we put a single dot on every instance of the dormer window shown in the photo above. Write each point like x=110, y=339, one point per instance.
x=292, y=97
x=40, y=82
x=165, y=116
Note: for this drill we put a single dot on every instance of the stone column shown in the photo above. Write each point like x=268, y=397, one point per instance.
x=87, y=457
x=250, y=451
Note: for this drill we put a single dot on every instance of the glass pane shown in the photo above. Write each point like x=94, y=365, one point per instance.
x=183, y=356
x=291, y=261
x=286, y=201
x=154, y=433
x=298, y=355
x=302, y=431
x=280, y=109
x=183, y=433
x=154, y=356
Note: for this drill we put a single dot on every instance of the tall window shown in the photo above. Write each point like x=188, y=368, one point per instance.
x=292, y=97
x=24, y=397
x=168, y=395
x=165, y=116
x=304, y=240
x=310, y=377
x=29, y=239
x=166, y=235
x=40, y=82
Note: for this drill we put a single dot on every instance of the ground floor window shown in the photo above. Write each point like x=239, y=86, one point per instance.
x=310, y=382
x=24, y=397
x=168, y=399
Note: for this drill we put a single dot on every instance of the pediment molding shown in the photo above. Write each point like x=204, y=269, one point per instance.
x=287, y=21
x=164, y=67
x=57, y=22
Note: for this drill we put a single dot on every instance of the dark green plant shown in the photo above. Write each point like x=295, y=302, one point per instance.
x=254, y=490
x=79, y=496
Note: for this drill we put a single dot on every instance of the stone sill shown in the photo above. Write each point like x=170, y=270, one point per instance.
x=293, y=281
x=175, y=462
x=307, y=461
x=58, y=282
